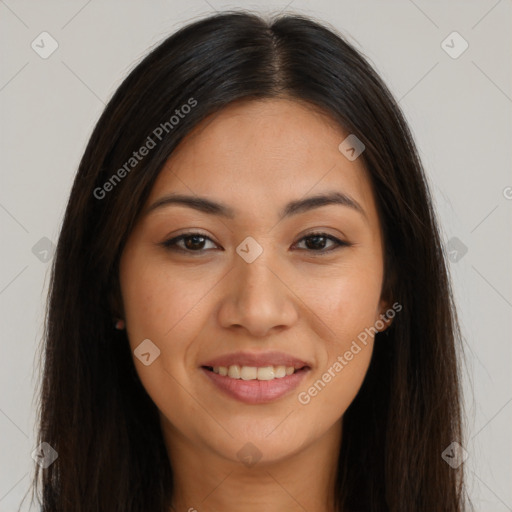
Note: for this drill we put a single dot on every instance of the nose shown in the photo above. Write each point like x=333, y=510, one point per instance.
x=257, y=299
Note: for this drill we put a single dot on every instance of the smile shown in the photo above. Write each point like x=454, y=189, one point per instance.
x=247, y=385
x=236, y=371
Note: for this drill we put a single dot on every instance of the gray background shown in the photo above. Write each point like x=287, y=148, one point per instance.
x=459, y=112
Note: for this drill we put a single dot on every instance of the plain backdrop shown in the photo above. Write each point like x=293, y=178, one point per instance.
x=459, y=109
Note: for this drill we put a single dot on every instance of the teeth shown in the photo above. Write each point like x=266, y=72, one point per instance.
x=280, y=371
x=234, y=371
x=248, y=373
x=254, y=373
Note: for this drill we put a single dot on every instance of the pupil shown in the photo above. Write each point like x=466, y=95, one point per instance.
x=194, y=244
x=316, y=239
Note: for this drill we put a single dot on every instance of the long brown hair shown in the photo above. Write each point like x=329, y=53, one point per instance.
x=94, y=410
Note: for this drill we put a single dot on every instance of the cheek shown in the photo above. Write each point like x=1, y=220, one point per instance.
x=347, y=300
x=345, y=355
x=159, y=302
x=160, y=306
x=346, y=305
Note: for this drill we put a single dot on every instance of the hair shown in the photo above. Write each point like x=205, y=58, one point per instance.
x=93, y=409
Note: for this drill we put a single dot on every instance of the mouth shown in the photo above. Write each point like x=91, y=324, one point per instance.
x=255, y=385
x=262, y=373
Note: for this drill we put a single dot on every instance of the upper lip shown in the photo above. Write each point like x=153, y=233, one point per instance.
x=261, y=359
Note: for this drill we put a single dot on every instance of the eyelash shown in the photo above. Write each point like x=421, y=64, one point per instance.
x=171, y=244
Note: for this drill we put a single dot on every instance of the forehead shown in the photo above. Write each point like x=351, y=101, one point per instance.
x=262, y=154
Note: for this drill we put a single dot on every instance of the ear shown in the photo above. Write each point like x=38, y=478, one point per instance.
x=387, y=306
x=115, y=300
x=385, y=317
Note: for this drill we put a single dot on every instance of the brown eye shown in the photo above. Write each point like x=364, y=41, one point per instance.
x=188, y=242
x=317, y=242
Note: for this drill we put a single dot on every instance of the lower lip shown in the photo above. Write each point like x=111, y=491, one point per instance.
x=256, y=391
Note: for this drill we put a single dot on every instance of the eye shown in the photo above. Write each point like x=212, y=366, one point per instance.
x=192, y=242
x=316, y=242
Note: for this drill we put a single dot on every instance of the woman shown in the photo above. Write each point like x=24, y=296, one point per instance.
x=250, y=307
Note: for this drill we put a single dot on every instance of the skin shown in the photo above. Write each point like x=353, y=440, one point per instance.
x=255, y=157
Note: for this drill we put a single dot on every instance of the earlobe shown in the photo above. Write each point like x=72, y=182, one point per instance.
x=119, y=324
x=388, y=308
x=385, y=318
x=387, y=323
x=115, y=302
x=116, y=305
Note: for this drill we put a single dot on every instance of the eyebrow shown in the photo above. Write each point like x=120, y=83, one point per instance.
x=211, y=207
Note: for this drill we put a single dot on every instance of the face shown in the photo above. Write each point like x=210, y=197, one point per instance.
x=261, y=284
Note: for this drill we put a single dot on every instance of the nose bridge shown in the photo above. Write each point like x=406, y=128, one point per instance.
x=255, y=280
